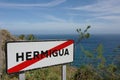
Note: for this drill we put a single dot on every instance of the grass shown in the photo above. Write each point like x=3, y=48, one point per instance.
x=49, y=73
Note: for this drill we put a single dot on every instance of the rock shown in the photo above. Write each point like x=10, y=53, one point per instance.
x=4, y=37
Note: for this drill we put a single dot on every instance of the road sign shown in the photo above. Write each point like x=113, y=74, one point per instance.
x=22, y=56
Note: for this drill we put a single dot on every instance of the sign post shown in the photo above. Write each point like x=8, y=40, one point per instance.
x=63, y=72
x=22, y=76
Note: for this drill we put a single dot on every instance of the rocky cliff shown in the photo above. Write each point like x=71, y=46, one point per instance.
x=4, y=37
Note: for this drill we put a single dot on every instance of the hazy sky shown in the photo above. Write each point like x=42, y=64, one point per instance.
x=60, y=16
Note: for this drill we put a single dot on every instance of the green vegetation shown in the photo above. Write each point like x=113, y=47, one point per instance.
x=50, y=73
x=101, y=71
x=83, y=34
x=45, y=74
x=27, y=37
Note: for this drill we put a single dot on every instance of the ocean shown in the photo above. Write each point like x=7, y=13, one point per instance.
x=110, y=42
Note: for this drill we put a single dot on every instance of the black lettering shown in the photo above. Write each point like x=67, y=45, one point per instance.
x=18, y=56
x=66, y=52
x=50, y=53
x=55, y=53
x=61, y=52
x=36, y=54
x=28, y=55
x=44, y=54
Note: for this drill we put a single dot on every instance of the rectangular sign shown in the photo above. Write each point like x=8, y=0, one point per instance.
x=22, y=56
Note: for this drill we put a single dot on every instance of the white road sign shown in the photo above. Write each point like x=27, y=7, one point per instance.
x=22, y=56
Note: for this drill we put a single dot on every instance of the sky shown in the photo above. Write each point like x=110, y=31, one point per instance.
x=60, y=16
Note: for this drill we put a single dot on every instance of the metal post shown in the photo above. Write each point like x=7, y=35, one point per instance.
x=22, y=76
x=0, y=76
x=63, y=72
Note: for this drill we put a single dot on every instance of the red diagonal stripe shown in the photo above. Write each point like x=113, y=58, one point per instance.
x=27, y=63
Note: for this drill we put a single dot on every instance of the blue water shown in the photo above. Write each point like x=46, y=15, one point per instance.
x=109, y=42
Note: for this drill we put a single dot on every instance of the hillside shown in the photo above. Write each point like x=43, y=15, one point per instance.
x=4, y=37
